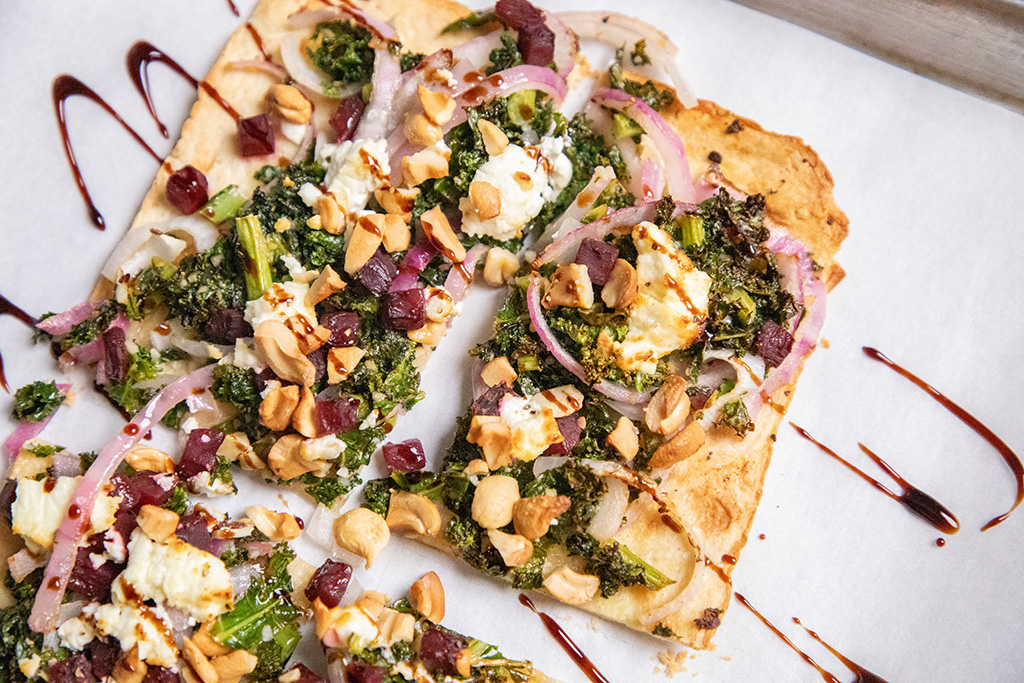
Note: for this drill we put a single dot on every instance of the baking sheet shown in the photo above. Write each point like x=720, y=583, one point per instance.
x=930, y=178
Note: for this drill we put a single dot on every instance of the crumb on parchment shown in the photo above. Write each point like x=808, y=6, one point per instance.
x=673, y=661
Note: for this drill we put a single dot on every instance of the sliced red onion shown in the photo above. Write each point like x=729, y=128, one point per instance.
x=267, y=67
x=508, y=81
x=387, y=77
x=665, y=139
x=413, y=263
x=302, y=147
x=652, y=181
x=544, y=332
x=63, y=322
x=617, y=392
x=573, y=216
x=72, y=528
x=567, y=43
x=618, y=30
x=241, y=576
x=805, y=338
x=456, y=282
x=564, y=249
x=469, y=56
x=83, y=354
x=306, y=17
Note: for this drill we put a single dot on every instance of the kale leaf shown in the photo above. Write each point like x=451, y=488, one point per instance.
x=36, y=401
x=341, y=51
x=141, y=366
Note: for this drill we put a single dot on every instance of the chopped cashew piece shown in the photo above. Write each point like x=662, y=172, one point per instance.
x=284, y=458
x=494, y=437
x=232, y=666
x=277, y=407
x=198, y=661
x=158, y=523
x=499, y=266
x=570, y=587
x=397, y=234
x=498, y=371
x=395, y=626
x=439, y=304
x=439, y=231
x=419, y=130
x=397, y=201
x=205, y=642
x=326, y=283
x=624, y=438
x=423, y=165
x=495, y=140
x=493, y=501
x=515, y=550
x=332, y=218
x=476, y=467
x=679, y=447
x=485, y=198
x=290, y=104
x=129, y=668
x=413, y=513
x=276, y=526
x=427, y=597
x=621, y=289
x=303, y=419
x=669, y=407
x=438, y=106
x=430, y=334
x=366, y=237
x=373, y=603
x=341, y=362
x=236, y=446
x=570, y=286
x=149, y=459
x=362, y=532
x=532, y=516
x=276, y=345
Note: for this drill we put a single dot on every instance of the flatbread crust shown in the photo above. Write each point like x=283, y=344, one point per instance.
x=715, y=492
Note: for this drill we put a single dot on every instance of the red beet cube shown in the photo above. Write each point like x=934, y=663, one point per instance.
x=115, y=354
x=336, y=417
x=407, y=456
x=75, y=669
x=346, y=117
x=518, y=14
x=361, y=672
x=439, y=650
x=227, y=325
x=192, y=529
x=378, y=272
x=256, y=136
x=569, y=426
x=599, y=258
x=403, y=310
x=774, y=343
x=93, y=583
x=344, y=327
x=160, y=674
x=187, y=190
x=329, y=583
x=305, y=675
x=103, y=654
x=537, y=44
x=200, y=453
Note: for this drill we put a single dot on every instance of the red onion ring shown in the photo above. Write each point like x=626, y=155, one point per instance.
x=456, y=283
x=413, y=263
x=65, y=548
x=508, y=81
x=573, y=216
x=652, y=181
x=387, y=77
x=63, y=322
x=567, y=43
x=564, y=248
x=308, y=17
x=544, y=332
x=665, y=139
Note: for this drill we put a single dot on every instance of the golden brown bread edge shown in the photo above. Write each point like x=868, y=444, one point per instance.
x=714, y=492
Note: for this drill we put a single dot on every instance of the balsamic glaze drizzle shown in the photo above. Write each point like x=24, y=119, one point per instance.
x=139, y=57
x=563, y=639
x=1011, y=458
x=912, y=498
x=8, y=308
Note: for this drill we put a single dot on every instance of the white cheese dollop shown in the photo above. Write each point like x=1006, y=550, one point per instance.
x=520, y=180
x=281, y=301
x=533, y=426
x=179, y=575
x=671, y=305
x=39, y=508
x=355, y=169
x=135, y=625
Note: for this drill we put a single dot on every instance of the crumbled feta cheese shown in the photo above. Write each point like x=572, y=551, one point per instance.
x=97, y=560
x=321, y=451
x=39, y=508
x=671, y=305
x=355, y=168
x=202, y=485
x=353, y=621
x=533, y=426
x=308, y=193
x=135, y=625
x=114, y=546
x=281, y=301
x=179, y=575
x=296, y=270
x=30, y=665
x=521, y=181
x=76, y=633
x=559, y=166
x=371, y=419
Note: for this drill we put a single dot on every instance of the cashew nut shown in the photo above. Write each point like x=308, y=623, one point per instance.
x=493, y=501
x=495, y=140
x=205, y=642
x=276, y=526
x=362, y=532
x=290, y=104
x=129, y=668
x=570, y=587
x=427, y=597
x=419, y=130
x=284, y=458
x=276, y=345
x=622, y=287
x=485, y=199
x=624, y=438
x=303, y=419
x=498, y=371
x=395, y=626
x=236, y=446
x=149, y=459
x=277, y=407
x=499, y=266
x=199, y=662
x=439, y=231
x=669, y=407
x=494, y=437
x=413, y=513
x=679, y=447
x=515, y=550
x=231, y=667
x=438, y=106
x=570, y=286
x=532, y=516
x=158, y=523
x=326, y=283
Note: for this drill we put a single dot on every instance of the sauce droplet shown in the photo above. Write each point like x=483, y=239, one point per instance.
x=940, y=542
x=65, y=86
x=138, y=59
x=912, y=498
x=131, y=429
x=728, y=559
x=563, y=639
x=1011, y=458
x=762, y=537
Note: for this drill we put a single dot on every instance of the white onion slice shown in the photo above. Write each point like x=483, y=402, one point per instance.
x=610, y=510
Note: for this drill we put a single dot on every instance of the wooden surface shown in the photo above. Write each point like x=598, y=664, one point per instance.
x=973, y=45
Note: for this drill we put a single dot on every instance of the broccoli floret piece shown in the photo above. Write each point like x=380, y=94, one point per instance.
x=36, y=401
x=465, y=534
x=615, y=564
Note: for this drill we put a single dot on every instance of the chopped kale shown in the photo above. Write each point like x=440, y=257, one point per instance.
x=664, y=631
x=341, y=51
x=90, y=329
x=410, y=60
x=234, y=556
x=735, y=417
x=616, y=565
x=237, y=386
x=639, y=55
x=506, y=56
x=17, y=640
x=653, y=95
x=36, y=401
x=471, y=21
x=377, y=495
x=141, y=366
x=324, y=490
x=178, y=502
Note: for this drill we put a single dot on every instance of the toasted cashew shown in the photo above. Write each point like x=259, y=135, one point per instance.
x=397, y=201
x=485, y=198
x=494, y=437
x=276, y=345
x=570, y=587
x=276, y=526
x=499, y=266
x=373, y=603
x=515, y=550
x=326, y=283
x=532, y=516
x=341, y=362
x=669, y=407
x=158, y=523
x=290, y=104
x=430, y=334
x=332, y=218
x=498, y=371
x=277, y=407
x=624, y=438
x=395, y=626
x=362, y=532
x=232, y=666
x=199, y=662
x=129, y=668
x=438, y=106
x=413, y=513
x=422, y=166
x=493, y=501
x=284, y=458
x=495, y=141
x=621, y=289
x=205, y=642
x=397, y=234
x=427, y=597
x=236, y=446
x=439, y=304
x=439, y=231
x=310, y=337
x=303, y=419
x=679, y=447
x=366, y=237
x=419, y=130
x=570, y=286
x=149, y=459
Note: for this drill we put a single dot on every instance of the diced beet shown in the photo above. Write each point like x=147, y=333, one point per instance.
x=305, y=675
x=329, y=583
x=141, y=489
x=187, y=190
x=115, y=354
x=537, y=44
x=518, y=14
x=72, y=670
x=161, y=674
x=93, y=583
x=200, y=453
x=439, y=650
x=774, y=343
x=407, y=456
x=403, y=310
x=599, y=258
x=193, y=530
x=262, y=377
x=125, y=522
x=7, y=495
x=227, y=325
x=256, y=136
x=361, y=672
x=319, y=360
x=377, y=273
x=346, y=117
x=103, y=654
x=569, y=426
x=488, y=402
x=335, y=416
x=344, y=327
